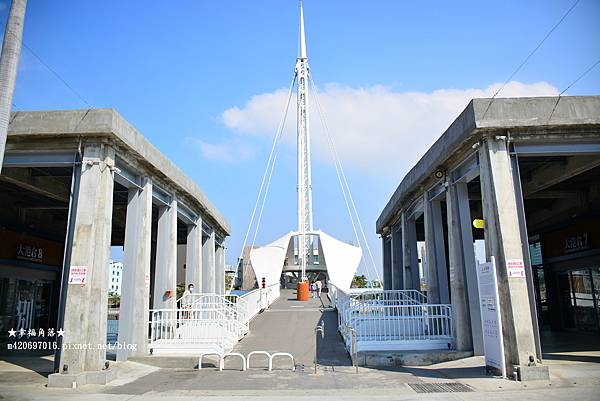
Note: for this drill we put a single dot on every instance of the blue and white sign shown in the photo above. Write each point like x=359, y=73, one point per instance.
x=491, y=322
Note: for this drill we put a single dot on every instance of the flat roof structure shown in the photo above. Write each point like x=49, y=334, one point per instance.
x=73, y=184
x=526, y=120
x=61, y=130
x=505, y=171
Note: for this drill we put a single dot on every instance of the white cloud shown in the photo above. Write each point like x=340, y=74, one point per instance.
x=229, y=151
x=375, y=129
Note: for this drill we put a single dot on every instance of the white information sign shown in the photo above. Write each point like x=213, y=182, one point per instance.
x=491, y=322
x=515, y=268
x=78, y=275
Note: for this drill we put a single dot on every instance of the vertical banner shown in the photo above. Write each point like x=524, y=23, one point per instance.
x=491, y=322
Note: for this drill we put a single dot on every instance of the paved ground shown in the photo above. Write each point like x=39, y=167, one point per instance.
x=289, y=326
x=574, y=369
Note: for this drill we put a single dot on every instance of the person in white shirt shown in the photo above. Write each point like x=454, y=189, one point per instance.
x=319, y=287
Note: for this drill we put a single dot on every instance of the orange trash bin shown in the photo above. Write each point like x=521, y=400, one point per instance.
x=302, y=291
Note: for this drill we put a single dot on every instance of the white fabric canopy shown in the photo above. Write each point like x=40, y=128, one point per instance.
x=341, y=259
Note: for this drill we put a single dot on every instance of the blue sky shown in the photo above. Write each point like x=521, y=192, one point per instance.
x=202, y=80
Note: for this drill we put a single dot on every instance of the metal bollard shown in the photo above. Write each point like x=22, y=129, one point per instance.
x=319, y=329
x=354, y=350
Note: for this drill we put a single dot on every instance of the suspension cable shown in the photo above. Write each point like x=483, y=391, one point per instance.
x=280, y=131
x=268, y=168
x=339, y=166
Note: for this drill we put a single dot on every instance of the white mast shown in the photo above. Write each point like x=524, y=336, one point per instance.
x=305, y=218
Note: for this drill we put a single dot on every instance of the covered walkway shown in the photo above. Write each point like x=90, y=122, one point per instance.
x=289, y=326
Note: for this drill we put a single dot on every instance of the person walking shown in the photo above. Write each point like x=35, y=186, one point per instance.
x=319, y=285
x=313, y=288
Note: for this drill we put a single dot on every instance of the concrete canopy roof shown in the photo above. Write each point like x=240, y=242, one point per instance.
x=540, y=114
x=107, y=123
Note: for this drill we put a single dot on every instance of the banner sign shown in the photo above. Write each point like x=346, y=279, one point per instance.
x=78, y=275
x=515, y=268
x=491, y=322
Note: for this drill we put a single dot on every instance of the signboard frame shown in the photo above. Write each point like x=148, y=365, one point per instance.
x=491, y=320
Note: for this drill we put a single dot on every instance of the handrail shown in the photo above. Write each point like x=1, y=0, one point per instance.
x=220, y=320
x=391, y=319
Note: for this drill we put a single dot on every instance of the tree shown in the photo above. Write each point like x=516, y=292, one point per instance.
x=228, y=280
x=180, y=290
x=114, y=299
x=359, y=281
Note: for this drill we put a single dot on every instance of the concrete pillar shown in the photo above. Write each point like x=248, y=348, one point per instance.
x=387, y=262
x=435, y=249
x=9, y=64
x=220, y=268
x=193, y=259
x=86, y=304
x=165, y=274
x=135, y=289
x=410, y=256
x=208, y=263
x=470, y=264
x=461, y=318
x=503, y=240
x=397, y=264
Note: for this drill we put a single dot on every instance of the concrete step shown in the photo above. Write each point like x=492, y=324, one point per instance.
x=380, y=359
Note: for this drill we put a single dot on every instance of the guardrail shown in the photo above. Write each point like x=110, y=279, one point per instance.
x=205, y=323
x=193, y=329
x=259, y=299
x=391, y=320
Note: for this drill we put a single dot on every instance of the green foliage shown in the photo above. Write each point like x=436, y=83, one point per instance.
x=180, y=290
x=228, y=281
x=114, y=300
x=359, y=281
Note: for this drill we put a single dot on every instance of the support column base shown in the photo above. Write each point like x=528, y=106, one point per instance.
x=529, y=373
x=74, y=380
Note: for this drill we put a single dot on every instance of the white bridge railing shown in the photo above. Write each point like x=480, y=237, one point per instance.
x=388, y=320
x=207, y=322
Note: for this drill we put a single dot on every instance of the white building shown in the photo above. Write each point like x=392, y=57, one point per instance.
x=115, y=275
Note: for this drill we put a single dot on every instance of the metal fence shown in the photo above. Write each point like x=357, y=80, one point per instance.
x=207, y=322
x=201, y=328
x=392, y=320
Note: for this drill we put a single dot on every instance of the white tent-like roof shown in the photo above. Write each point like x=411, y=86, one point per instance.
x=341, y=259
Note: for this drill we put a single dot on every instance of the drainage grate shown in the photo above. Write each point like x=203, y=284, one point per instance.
x=440, y=387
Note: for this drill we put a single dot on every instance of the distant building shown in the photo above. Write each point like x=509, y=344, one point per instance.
x=115, y=275
x=246, y=272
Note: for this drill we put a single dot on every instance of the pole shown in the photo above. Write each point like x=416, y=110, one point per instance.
x=9, y=63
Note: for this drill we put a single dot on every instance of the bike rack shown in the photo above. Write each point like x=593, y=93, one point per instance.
x=281, y=354
x=256, y=353
x=242, y=357
x=210, y=353
x=319, y=329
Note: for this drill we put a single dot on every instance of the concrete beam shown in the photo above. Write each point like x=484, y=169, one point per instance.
x=397, y=255
x=208, y=263
x=410, y=268
x=193, y=258
x=86, y=305
x=461, y=318
x=220, y=269
x=387, y=262
x=45, y=186
x=470, y=265
x=135, y=289
x=165, y=275
x=435, y=249
x=503, y=240
x=546, y=176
